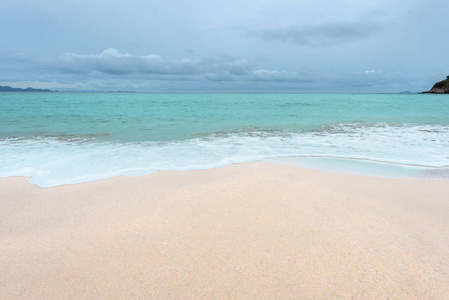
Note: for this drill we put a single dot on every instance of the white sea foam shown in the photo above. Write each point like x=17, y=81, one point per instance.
x=58, y=161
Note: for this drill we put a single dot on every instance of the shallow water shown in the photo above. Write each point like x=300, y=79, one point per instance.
x=64, y=138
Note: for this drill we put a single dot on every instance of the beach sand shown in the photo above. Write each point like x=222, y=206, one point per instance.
x=256, y=230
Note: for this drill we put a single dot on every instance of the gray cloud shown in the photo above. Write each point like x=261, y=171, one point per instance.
x=112, y=70
x=322, y=34
x=221, y=68
x=113, y=62
x=302, y=80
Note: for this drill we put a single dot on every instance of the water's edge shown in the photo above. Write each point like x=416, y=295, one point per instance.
x=365, y=167
x=352, y=166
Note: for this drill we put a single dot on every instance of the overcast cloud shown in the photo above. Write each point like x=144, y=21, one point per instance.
x=264, y=45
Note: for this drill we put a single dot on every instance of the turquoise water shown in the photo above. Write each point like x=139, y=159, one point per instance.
x=63, y=138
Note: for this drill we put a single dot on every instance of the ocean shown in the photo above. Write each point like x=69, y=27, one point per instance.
x=67, y=138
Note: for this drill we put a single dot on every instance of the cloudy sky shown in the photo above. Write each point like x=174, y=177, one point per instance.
x=209, y=45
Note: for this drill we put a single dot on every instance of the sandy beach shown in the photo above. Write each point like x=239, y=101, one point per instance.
x=256, y=230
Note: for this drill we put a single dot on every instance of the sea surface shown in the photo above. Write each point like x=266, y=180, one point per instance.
x=66, y=138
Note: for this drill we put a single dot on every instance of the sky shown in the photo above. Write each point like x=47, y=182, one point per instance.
x=224, y=46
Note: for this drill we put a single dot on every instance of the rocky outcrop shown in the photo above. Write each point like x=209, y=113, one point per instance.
x=441, y=87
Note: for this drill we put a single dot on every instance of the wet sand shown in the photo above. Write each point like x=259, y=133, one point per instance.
x=256, y=230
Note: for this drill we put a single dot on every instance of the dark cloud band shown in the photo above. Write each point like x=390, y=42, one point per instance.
x=320, y=35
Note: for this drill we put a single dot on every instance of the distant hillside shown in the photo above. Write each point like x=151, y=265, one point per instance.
x=11, y=89
x=441, y=87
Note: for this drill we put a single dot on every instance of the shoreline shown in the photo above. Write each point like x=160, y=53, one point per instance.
x=333, y=164
x=251, y=230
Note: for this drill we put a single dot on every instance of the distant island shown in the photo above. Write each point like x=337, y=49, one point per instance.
x=29, y=90
x=120, y=92
x=441, y=87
